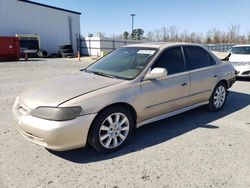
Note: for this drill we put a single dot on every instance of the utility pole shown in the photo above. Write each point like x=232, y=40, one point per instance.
x=164, y=34
x=132, y=15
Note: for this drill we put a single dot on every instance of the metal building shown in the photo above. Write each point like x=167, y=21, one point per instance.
x=54, y=26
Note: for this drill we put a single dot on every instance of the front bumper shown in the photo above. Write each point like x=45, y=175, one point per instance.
x=242, y=71
x=54, y=135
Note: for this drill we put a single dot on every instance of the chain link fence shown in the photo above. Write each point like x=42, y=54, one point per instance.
x=219, y=47
x=96, y=46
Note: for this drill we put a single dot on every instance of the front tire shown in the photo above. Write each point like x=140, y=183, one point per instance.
x=218, y=97
x=111, y=129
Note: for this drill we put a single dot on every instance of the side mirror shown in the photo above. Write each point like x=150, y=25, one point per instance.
x=156, y=73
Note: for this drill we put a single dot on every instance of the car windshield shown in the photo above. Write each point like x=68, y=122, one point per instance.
x=240, y=50
x=124, y=63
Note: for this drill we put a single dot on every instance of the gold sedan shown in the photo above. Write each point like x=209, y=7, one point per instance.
x=130, y=87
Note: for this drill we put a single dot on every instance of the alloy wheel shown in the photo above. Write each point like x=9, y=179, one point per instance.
x=114, y=130
x=219, y=97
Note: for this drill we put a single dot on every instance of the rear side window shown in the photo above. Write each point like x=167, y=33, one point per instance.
x=197, y=57
x=172, y=60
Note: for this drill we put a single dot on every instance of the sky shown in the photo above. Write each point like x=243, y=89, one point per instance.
x=113, y=16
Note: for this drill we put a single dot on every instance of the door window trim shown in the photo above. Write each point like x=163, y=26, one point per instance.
x=183, y=57
x=201, y=68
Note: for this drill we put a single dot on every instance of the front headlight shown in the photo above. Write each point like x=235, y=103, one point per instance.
x=57, y=114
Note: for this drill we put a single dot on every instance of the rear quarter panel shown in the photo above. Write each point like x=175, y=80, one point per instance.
x=226, y=71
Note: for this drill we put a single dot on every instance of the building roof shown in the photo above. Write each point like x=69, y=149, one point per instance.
x=48, y=6
x=242, y=45
x=161, y=44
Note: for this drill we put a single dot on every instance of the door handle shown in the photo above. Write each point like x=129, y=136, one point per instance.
x=183, y=84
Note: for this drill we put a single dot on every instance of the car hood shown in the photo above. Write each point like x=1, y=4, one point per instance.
x=62, y=89
x=241, y=66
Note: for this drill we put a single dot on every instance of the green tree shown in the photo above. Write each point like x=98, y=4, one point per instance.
x=134, y=34
x=140, y=33
x=125, y=35
x=101, y=34
x=137, y=34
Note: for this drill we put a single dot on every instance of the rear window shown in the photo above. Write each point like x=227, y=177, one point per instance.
x=240, y=50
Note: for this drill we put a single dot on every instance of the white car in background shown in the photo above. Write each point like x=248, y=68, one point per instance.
x=240, y=59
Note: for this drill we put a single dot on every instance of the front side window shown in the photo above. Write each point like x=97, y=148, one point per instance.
x=197, y=57
x=124, y=63
x=172, y=60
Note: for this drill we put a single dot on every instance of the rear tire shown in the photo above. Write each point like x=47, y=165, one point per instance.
x=111, y=129
x=218, y=97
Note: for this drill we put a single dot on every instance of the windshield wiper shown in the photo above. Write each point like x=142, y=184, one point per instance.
x=102, y=74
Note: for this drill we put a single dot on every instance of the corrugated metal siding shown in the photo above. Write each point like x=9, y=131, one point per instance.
x=50, y=24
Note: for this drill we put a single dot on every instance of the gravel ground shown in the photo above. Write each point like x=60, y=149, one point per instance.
x=194, y=149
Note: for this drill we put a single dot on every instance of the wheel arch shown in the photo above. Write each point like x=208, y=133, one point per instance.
x=224, y=82
x=127, y=106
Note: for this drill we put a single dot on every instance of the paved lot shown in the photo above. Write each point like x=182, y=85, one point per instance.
x=193, y=149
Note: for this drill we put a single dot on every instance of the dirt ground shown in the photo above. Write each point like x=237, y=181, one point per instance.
x=194, y=149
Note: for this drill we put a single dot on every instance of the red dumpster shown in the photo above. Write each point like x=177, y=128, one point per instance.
x=9, y=49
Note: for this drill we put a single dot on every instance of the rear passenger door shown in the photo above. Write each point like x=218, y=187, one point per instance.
x=203, y=73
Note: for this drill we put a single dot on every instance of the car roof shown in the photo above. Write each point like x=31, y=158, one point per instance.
x=162, y=44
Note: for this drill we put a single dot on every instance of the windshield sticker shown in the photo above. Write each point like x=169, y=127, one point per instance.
x=149, y=52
